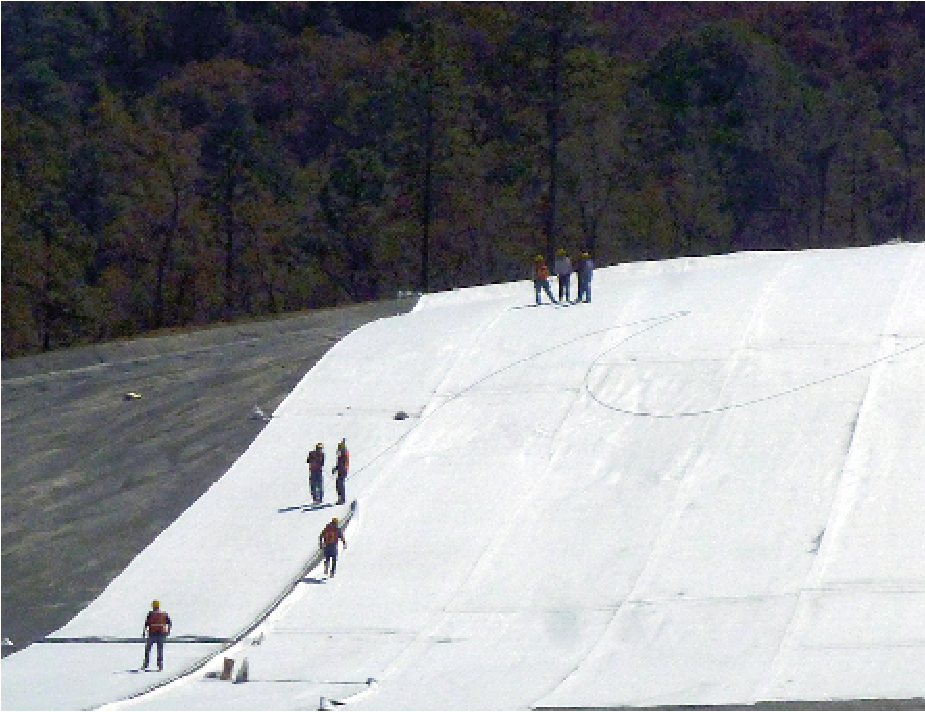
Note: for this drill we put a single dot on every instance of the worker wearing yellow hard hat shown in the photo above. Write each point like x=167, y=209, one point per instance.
x=155, y=632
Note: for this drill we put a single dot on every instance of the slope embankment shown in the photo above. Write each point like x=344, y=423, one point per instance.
x=91, y=476
x=701, y=489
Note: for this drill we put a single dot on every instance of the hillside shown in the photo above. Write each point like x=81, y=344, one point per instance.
x=703, y=488
x=90, y=478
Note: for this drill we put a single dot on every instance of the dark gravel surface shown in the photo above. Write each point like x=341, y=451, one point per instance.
x=90, y=477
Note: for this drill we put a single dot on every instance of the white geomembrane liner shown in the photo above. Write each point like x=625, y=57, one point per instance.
x=704, y=488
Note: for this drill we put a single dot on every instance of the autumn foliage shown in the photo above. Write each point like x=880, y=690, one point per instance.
x=175, y=164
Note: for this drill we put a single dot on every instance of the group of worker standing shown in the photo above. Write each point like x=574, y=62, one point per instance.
x=332, y=532
x=158, y=624
x=315, y=462
x=563, y=268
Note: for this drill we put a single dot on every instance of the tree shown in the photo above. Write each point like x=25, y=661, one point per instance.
x=596, y=164
x=888, y=49
x=45, y=300
x=439, y=160
x=154, y=237
x=531, y=63
x=715, y=105
x=416, y=93
x=351, y=199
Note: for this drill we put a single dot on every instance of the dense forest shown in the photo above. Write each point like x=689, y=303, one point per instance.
x=171, y=164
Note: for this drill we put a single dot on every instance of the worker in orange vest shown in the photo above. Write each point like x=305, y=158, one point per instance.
x=156, y=630
x=541, y=279
x=328, y=540
x=341, y=469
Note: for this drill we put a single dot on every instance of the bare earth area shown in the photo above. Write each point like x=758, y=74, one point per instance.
x=104, y=446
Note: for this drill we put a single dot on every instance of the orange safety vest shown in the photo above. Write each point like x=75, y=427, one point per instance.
x=343, y=461
x=157, y=621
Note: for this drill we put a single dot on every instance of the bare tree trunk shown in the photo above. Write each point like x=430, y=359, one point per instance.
x=427, y=199
x=906, y=220
x=229, y=245
x=46, y=296
x=823, y=161
x=163, y=259
x=552, y=126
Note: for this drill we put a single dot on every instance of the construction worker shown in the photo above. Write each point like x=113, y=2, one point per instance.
x=315, y=462
x=585, y=273
x=328, y=541
x=341, y=469
x=156, y=630
x=541, y=279
x=563, y=269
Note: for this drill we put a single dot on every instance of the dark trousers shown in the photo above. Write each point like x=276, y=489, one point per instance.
x=159, y=639
x=543, y=285
x=316, y=485
x=565, y=285
x=341, y=484
x=330, y=557
x=584, y=290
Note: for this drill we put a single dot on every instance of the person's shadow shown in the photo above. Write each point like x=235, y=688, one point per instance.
x=305, y=507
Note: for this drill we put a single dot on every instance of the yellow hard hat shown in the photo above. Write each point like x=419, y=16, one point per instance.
x=539, y=258
x=155, y=603
x=334, y=520
x=319, y=446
